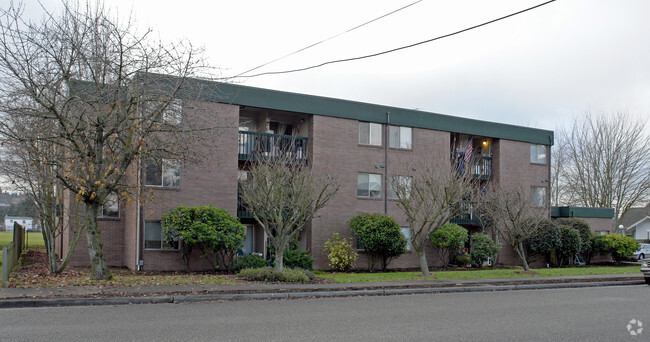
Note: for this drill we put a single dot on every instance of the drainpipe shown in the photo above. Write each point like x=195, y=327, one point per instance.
x=386, y=130
x=139, y=218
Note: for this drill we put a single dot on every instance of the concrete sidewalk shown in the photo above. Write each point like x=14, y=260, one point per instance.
x=96, y=295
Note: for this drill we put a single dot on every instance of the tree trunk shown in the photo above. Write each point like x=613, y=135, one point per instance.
x=279, y=259
x=424, y=267
x=520, y=251
x=98, y=268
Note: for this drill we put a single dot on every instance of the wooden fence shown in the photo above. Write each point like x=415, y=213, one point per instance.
x=12, y=252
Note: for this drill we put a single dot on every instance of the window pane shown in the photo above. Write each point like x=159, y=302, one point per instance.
x=538, y=154
x=393, y=138
x=405, y=137
x=152, y=235
x=375, y=134
x=171, y=173
x=153, y=173
x=538, y=196
x=364, y=133
x=374, y=185
x=172, y=114
x=362, y=185
x=111, y=207
x=407, y=234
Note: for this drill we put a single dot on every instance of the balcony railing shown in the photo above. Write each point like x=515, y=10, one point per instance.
x=479, y=166
x=255, y=145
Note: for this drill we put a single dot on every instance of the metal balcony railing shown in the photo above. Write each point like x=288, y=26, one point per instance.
x=254, y=145
x=480, y=166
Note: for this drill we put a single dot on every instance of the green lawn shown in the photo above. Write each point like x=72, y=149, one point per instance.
x=474, y=274
x=34, y=240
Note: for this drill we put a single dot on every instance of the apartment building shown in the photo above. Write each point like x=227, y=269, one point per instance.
x=362, y=144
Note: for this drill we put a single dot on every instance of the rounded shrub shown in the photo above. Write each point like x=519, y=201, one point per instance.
x=570, y=245
x=483, y=248
x=248, y=261
x=340, y=253
x=449, y=239
x=380, y=236
x=295, y=258
x=622, y=247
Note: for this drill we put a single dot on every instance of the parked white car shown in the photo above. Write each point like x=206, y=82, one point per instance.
x=643, y=252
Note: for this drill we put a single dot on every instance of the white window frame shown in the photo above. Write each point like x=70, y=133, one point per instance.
x=400, y=179
x=535, y=199
x=168, y=167
x=538, y=154
x=163, y=245
x=376, y=190
x=403, y=135
x=374, y=136
x=111, y=204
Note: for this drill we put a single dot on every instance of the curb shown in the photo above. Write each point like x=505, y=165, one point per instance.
x=59, y=302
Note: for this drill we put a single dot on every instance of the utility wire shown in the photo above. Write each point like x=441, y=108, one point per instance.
x=399, y=48
x=326, y=39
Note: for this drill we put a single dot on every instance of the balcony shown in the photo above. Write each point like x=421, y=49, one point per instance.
x=480, y=166
x=242, y=212
x=256, y=145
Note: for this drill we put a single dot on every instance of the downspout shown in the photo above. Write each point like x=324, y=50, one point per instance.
x=139, y=217
x=386, y=131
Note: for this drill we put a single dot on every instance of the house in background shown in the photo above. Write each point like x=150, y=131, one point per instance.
x=26, y=222
x=636, y=223
x=364, y=145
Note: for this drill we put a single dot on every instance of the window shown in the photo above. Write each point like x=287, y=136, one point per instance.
x=403, y=182
x=602, y=232
x=406, y=231
x=111, y=207
x=400, y=137
x=369, y=133
x=173, y=113
x=538, y=196
x=538, y=154
x=153, y=238
x=167, y=173
x=369, y=185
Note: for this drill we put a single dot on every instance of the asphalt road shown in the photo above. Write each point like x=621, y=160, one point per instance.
x=586, y=314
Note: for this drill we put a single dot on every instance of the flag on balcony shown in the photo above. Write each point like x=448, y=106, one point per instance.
x=468, y=153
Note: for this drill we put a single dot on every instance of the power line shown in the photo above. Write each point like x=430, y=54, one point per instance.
x=326, y=39
x=399, y=48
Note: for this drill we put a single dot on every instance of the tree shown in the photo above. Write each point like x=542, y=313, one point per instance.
x=449, y=239
x=380, y=236
x=596, y=247
x=516, y=220
x=212, y=230
x=583, y=229
x=86, y=85
x=547, y=242
x=430, y=198
x=25, y=165
x=483, y=249
x=607, y=162
x=283, y=194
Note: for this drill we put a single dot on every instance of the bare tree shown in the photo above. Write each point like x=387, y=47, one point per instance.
x=430, y=197
x=88, y=85
x=607, y=161
x=27, y=169
x=284, y=194
x=514, y=218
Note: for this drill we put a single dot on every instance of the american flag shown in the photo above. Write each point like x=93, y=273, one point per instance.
x=468, y=153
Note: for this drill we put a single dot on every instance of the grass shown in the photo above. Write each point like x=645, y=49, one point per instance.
x=475, y=274
x=34, y=240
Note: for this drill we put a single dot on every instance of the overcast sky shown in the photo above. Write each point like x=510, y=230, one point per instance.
x=536, y=69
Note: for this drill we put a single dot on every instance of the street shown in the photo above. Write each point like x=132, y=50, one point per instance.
x=586, y=314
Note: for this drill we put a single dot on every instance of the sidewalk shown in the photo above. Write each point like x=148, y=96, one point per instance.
x=95, y=295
